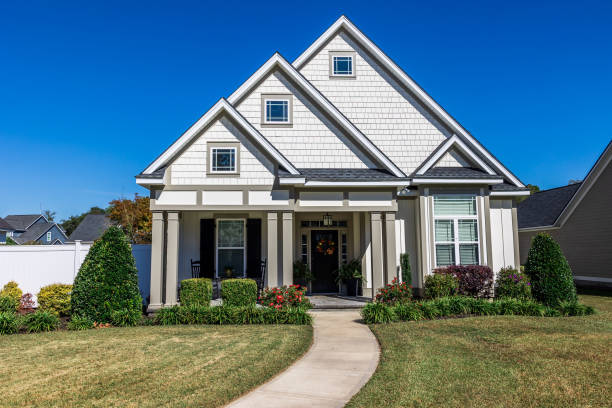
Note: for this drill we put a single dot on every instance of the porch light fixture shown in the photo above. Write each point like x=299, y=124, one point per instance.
x=327, y=220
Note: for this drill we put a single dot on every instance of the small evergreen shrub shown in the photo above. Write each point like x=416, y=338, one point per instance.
x=11, y=289
x=552, y=281
x=8, y=304
x=196, y=292
x=41, y=321
x=513, y=284
x=9, y=323
x=125, y=317
x=80, y=323
x=107, y=280
x=440, y=285
x=378, y=313
x=239, y=292
x=285, y=296
x=474, y=280
x=55, y=298
x=394, y=292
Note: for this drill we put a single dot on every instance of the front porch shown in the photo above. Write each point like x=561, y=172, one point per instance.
x=238, y=241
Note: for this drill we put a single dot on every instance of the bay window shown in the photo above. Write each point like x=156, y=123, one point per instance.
x=456, y=230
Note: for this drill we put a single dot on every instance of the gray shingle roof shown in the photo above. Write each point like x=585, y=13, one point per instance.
x=21, y=222
x=5, y=226
x=34, y=232
x=344, y=175
x=455, y=172
x=544, y=207
x=507, y=187
x=91, y=228
x=157, y=174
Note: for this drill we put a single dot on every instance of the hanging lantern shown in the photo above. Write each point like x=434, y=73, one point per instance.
x=327, y=220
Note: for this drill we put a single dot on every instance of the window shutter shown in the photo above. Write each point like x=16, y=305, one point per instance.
x=253, y=243
x=207, y=248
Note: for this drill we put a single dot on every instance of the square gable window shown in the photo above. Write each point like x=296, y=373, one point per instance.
x=276, y=110
x=342, y=64
x=223, y=158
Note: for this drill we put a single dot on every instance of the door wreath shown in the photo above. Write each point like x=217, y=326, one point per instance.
x=326, y=247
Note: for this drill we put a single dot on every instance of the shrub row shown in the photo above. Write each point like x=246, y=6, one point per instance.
x=231, y=315
x=462, y=305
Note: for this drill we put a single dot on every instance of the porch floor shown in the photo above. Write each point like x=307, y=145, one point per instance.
x=337, y=302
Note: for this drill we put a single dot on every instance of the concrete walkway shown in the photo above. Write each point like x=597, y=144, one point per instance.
x=337, y=302
x=341, y=360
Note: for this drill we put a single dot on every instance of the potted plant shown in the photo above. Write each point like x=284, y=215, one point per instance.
x=302, y=274
x=229, y=271
x=348, y=276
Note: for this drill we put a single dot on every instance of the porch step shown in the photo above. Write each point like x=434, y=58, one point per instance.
x=337, y=302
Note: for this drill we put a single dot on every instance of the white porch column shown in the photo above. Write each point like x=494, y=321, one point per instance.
x=366, y=260
x=272, y=271
x=287, y=248
x=390, y=244
x=172, y=250
x=377, y=253
x=157, y=262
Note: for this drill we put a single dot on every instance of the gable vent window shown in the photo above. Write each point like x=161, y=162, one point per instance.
x=49, y=236
x=276, y=110
x=223, y=160
x=342, y=64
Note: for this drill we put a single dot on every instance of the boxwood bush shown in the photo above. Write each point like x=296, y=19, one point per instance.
x=107, y=281
x=196, y=292
x=552, y=282
x=239, y=292
x=55, y=298
x=513, y=284
x=440, y=285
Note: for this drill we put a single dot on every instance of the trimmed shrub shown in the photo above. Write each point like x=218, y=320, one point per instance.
x=9, y=323
x=239, y=292
x=41, y=321
x=80, y=323
x=551, y=277
x=125, y=317
x=440, y=285
x=55, y=298
x=107, y=280
x=11, y=289
x=196, y=292
x=394, y=292
x=8, y=304
x=513, y=284
x=285, y=296
x=474, y=280
x=378, y=313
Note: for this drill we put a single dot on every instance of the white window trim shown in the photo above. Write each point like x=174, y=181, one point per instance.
x=276, y=97
x=455, y=219
x=49, y=234
x=243, y=247
x=351, y=54
x=216, y=146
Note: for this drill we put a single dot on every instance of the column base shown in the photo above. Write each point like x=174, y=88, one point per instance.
x=154, y=307
x=367, y=292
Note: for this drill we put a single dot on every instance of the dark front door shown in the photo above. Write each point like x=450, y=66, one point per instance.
x=324, y=259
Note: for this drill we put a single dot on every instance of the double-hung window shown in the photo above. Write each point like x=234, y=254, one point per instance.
x=231, y=246
x=223, y=160
x=277, y=110
x=456, y=230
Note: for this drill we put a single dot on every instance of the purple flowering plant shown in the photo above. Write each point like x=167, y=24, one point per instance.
x=512, y=284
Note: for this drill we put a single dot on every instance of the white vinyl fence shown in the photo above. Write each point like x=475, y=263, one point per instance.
x=35, y=266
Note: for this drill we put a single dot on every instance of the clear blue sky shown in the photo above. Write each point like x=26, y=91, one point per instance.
x=91, y=92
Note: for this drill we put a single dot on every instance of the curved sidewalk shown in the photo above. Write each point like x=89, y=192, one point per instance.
x=342, y=359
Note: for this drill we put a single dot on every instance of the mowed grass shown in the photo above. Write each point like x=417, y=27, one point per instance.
x=502, y=361
x=156, y=366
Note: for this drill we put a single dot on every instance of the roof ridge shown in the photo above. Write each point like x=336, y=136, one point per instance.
x=557, y=188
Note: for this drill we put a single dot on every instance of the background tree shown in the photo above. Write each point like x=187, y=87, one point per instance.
x=134, y=217
x=532, y=190
x=49, y=215
x=70, y=224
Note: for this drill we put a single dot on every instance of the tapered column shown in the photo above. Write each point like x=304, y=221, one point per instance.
x=287, y=248
x=157, y=262
x=377, y=253
x=391, y=260
x=272, y=272
x=172, y=251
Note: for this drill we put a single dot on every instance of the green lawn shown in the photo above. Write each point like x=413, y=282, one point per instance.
x=145, y=366
x=502, y=361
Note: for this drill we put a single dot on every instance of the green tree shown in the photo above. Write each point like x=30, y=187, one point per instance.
x=107, y=281
x=49, y=215
x=552, y=281
x=532, y=190
x=134, y=217
x=70, y=224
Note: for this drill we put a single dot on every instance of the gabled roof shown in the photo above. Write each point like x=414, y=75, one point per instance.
x=452, y=142
x=343, y=23
x=23, y=222
x=91, y=228
x=278, y=62
x=36, y=231
x=5, y=226
x=222, y=106
x=543, y=208
x=457, y=172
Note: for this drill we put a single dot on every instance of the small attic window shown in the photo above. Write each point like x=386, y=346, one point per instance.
x=223, y=158
x=342, y=64
x=276, y=109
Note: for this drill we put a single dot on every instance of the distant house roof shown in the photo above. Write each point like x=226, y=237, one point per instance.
x=5, y=226
x=22, y=222
x=544, y=207
x=91, y=228
x=35, y=232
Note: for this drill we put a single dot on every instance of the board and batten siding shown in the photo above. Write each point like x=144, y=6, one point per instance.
x=378, y=106
x=502, y=234
x=586, y=237
x=312, y=141
x=191, y=167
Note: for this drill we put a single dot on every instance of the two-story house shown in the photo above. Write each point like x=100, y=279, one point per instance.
x=35, y=228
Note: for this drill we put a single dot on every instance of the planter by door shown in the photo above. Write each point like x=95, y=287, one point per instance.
x=324, y=260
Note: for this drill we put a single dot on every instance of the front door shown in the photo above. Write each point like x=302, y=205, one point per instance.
x=324, y=260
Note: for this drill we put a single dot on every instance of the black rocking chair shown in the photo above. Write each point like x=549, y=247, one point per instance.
x=195, y=269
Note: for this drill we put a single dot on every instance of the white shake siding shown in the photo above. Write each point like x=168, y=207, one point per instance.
x=190, y=166
x=312, y=141
x=377, y=105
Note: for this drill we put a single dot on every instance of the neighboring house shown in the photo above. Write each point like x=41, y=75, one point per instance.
x=35, y=228
x=91, y=228
x=6, y=230
x=338, y=155
x=579, y=218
